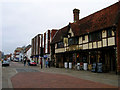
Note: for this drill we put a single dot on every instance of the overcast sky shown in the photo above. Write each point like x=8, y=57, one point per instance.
x=21, y=20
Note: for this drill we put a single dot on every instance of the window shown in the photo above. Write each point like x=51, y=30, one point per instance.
x=96, y=36
x=83, y=37
x=60, y=45
x=90, y=38
x=73, y=41
x=109, y=33
x=70, y=41
x=43, y=42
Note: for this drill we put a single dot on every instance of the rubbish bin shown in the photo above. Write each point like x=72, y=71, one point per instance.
x=85, y=66
x=78, y=66
x=70, y=65
x=65, y=64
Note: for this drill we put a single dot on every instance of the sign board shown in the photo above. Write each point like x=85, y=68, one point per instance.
x=99, y=67
x=94, y=67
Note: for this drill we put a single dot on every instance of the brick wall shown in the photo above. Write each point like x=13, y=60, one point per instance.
x=118, y=46
x=44, y=41
x=53, y=33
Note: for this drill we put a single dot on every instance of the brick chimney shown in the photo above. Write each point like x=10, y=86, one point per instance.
x=76, y=14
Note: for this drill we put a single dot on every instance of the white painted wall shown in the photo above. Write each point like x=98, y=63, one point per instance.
x=28, y=53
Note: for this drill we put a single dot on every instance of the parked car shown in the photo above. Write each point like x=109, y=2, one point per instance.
x=33, y=63
x=15, y=60
x=5, y=63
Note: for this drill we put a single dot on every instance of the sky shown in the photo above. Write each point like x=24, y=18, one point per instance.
x=21, y=20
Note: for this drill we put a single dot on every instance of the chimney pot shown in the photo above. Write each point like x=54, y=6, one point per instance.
x=76, y=14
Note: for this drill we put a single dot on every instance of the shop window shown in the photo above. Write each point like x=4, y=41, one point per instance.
x=60, y=45
x=84, y=59
x=92, y=59
x=73, y=41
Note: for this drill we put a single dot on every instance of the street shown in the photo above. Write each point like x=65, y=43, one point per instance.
x=19, y=76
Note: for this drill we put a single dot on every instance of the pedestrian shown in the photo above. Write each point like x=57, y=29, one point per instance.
x=41, y=63
x=46, y=63
x=25, y=61
x=28, y=60
x=2, y=60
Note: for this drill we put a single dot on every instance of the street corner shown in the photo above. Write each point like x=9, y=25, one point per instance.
x=49, y=80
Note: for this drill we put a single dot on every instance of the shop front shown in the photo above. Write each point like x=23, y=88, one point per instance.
x=104, y=58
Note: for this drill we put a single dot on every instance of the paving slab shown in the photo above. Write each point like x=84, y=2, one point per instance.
x=106, y=78
x=50, y=80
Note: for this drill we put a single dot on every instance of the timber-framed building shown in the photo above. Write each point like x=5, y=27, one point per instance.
x=92, y=39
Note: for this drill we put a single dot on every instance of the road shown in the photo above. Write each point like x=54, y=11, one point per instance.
x=19, y=76
x=13, y=69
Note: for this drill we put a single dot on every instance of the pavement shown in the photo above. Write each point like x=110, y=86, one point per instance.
x=7, y=73
x=35, y=77
x=106, y=78
x=50, y=80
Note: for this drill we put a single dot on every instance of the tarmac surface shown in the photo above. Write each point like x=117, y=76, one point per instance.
x=20, y=76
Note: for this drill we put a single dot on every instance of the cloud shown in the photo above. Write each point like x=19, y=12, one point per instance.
x=24, y=19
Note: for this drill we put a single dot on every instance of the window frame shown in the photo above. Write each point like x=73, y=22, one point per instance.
x=75, y=41
x=109, y=33
x=95, y=36
x=60, y=45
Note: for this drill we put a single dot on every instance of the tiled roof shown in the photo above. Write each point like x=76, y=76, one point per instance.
x=60, y=34
x=102, y=19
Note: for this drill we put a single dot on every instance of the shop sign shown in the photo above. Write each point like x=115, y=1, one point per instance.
x=45, y=56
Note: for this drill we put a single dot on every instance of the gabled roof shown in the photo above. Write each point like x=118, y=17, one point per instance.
x=27, y=48
x=102, y=19
x=60, y=34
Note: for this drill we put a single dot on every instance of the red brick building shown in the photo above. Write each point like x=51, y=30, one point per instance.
x=41, y=46
x=37, y=45
x=93, y=39
x=48, y=36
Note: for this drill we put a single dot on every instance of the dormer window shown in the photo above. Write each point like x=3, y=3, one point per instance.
x=69, y=35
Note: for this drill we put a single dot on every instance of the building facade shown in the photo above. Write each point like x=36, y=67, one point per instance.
x=17, y=53
x=48, y=36
x=93, y=39
x=40, y=50
x=0, y=55
x=37, y=48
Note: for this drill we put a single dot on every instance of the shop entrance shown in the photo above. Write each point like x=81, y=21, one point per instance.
x=112, y=60
x=109, y=59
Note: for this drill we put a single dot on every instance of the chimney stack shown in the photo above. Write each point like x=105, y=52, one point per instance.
x=76, y=14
